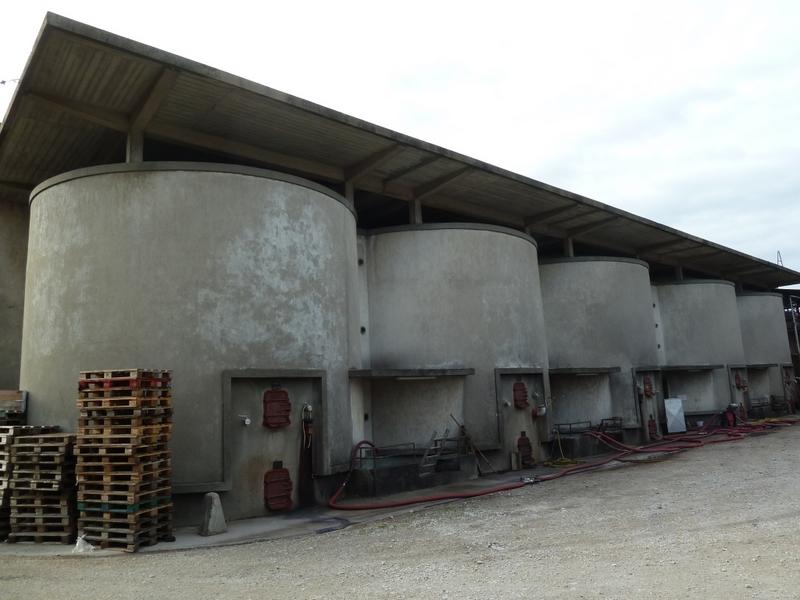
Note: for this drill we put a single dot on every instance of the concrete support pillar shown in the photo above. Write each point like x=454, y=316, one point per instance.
x=415, y=212
x=13, y=255
x=569, y=248
x=134, y=147
x=679, y=273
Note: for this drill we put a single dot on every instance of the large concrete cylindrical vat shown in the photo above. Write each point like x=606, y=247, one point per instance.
x=598, y=313
x=13, y=248
x=763, y=326
x=766, y=343
x=458, y=296
x=700, y=327
x=199, y=268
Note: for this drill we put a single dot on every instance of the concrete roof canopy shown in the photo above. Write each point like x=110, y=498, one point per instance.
x=85, y=94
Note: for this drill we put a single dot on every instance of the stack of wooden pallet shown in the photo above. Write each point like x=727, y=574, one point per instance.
x=7, y=435
x=43, y=488
x=124, y=464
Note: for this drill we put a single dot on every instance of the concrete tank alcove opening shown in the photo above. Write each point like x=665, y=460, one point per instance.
x=454, y=296
x=412, y=417
x=697, y=386
x=581, y=400
x=250, y=268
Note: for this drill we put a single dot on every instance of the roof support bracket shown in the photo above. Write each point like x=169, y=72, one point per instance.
x=428, y=189
x=362, y=168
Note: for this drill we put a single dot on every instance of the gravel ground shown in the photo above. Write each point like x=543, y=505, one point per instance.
x=719, y=522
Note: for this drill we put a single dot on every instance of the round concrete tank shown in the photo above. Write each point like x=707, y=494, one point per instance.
x=200, y=268
x=763, y=327
x=458, y=295
x=700, y=327
x=599, y=314
x=766, y=344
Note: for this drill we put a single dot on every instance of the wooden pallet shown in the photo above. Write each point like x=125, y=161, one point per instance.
x=116, y=507
x=64, y=536
x=142, y=458
x=44, y=510
x=34, y=521
x=126, y=539
x=118, y=402
x=105, y=421
x=134, y=450
x=105, y=465
x=133, y=392
x=130, y=378
x=124, y=429
x=38, y=485
x=44, y=472
x=119, y=477
x=161, y=511
x=9, y=432
x=30, y=501
x=127, y=495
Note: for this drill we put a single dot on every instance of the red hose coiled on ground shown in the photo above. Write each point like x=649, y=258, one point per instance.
x=671, y=444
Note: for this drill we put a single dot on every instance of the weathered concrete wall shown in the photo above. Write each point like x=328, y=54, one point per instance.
x=410, y=411
x=659, y=326
x=13, y=252
x=700, y=321
x=361, y=410
x=699, y=388
x=599, y=314
x=451, y=295
x=581, y=398
x=758, y=381
x=763, y=328
x=197, y=268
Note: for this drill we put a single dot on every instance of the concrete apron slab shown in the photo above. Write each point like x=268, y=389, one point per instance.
x=313, y=521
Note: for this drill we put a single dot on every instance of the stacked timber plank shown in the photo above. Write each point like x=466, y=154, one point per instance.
x=7, y=435
x=43, y=488
x=124, y=462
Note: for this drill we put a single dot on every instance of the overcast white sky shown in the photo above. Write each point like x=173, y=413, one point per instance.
x=684, y=112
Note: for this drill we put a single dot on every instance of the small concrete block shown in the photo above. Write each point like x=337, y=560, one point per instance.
x=213, y=517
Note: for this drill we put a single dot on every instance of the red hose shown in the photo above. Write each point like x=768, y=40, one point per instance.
x=669, y=445
x=333, y=502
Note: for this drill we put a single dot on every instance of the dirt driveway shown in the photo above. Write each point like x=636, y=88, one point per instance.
x=719, y=522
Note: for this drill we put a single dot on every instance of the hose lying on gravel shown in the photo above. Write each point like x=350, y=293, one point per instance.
x=670, y=444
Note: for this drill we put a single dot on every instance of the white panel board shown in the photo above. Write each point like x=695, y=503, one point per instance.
x=676, y=422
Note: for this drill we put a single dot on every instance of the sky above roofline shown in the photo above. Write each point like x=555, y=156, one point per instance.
x=685, y=113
